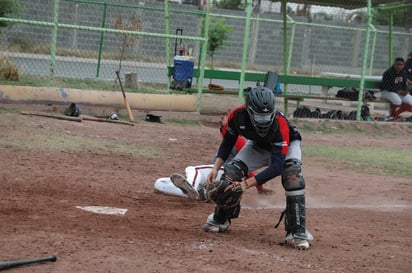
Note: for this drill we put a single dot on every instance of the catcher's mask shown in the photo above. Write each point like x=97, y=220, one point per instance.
x=260, y=105
x=235, y=170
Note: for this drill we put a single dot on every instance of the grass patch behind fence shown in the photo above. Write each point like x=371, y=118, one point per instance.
x=85, y=84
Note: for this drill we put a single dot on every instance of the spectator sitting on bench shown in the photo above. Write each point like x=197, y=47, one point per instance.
x=408, y=69
x=394, y=88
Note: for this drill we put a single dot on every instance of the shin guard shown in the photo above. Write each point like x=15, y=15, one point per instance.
x=295, y=219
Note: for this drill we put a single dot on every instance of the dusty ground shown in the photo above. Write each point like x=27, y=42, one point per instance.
x=361, y=222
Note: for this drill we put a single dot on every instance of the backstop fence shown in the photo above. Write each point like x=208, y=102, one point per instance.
x=86, y=39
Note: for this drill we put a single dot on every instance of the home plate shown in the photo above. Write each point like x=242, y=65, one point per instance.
x=103, y=210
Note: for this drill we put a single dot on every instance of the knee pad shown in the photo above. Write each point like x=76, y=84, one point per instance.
x=292, y=178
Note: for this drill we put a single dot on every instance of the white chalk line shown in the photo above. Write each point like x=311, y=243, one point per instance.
x=271, y=255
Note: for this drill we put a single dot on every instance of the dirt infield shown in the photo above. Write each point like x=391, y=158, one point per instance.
x=361, y=222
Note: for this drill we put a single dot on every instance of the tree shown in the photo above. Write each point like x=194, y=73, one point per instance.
x=218, y=34
x=230, y=4
x=128, y=39
x=382, y=17
x=8, y=7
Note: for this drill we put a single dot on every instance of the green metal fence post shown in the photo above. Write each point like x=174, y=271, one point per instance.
x=373, y=50
x=54, y=41
x=202, y=58
x=167, y=29
x=101, y=40
x=390, y=38
x=292, y=40
x=203, y=33
x=285, y=51
x=364, y=61
x=249, y=9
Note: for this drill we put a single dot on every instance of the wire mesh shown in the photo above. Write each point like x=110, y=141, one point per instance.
x=319, y=39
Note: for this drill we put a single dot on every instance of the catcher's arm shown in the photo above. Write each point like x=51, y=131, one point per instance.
x=245, y=184
x=249, y=182
x=237, y=186
x=211, y=177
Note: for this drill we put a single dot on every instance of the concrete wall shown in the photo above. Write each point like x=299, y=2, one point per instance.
x=315, y=48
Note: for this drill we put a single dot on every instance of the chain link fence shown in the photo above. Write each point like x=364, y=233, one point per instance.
x=84, y=51
x=320, y=40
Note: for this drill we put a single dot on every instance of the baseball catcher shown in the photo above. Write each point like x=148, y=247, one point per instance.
x=226, y=193
x=274, y=147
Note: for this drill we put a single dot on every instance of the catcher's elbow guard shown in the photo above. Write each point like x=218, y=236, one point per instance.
x=235, y=170
x=292, y=178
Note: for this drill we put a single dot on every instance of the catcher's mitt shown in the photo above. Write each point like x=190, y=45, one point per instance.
x=227, y=191
x=224, y=193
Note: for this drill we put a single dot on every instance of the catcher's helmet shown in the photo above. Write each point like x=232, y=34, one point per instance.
x=235, y=170
x=260, y=105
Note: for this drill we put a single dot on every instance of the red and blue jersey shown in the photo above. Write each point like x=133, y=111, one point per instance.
x=277, y=140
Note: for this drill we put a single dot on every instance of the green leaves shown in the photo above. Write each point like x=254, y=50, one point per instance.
x=218, y=34
x=7, y=8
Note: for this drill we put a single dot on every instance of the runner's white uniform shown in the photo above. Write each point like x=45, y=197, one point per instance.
x=195, y=175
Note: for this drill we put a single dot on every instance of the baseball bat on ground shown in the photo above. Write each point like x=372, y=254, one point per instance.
x=78, y=119
x=11, y=264
x=129, y=111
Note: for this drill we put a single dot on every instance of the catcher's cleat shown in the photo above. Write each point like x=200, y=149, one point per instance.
x=213, y=226
x=181, y=182
x=298, y=242
x=309, y=235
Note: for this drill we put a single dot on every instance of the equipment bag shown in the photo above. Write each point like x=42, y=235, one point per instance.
x=272, y=82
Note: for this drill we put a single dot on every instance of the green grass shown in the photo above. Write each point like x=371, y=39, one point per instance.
x=49, y=140
x=8, y=110
x=372, y=160
x=326, y=126
x=90, y=84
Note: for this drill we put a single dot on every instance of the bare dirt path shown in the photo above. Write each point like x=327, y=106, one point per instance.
x=361, y=222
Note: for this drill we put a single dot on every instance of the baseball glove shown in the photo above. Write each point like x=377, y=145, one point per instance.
x=224, y=193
